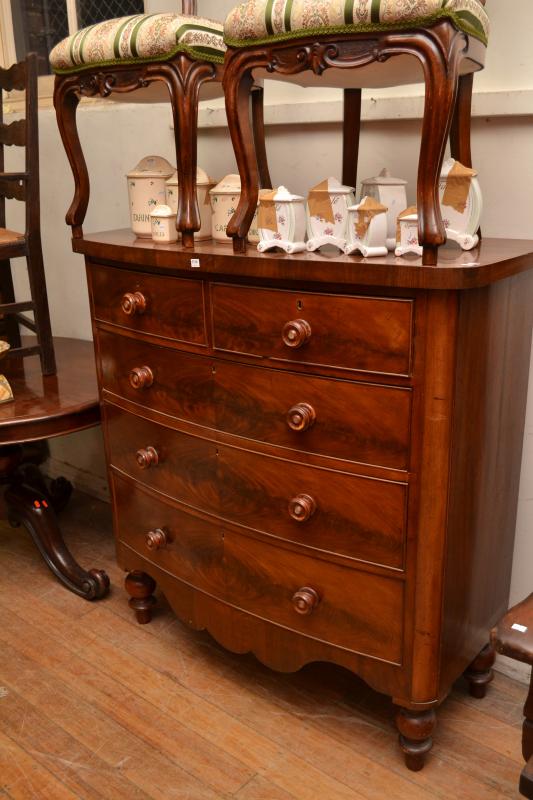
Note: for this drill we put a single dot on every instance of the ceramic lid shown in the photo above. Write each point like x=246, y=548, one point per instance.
x=332, y=186
x=410, y=213
x=280, y=195
x=231, y=184
x=152, y=167
x=369, y=204
x=202, y=178
x=162, y=211
x=384, y=179
x=459, y=170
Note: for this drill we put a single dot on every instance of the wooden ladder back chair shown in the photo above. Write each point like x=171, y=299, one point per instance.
x=24, y=186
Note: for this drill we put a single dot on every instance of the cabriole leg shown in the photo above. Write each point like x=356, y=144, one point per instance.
x=258, y=121
x=416, y=729
x=141, y=587
x=66, y=102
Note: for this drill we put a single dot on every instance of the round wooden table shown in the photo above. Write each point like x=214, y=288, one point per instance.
x=45, y=407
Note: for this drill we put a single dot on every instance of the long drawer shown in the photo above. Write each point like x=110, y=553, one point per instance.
x=336, y=418
x=172, y=308
x=317, y=509
x=354, y=333
x=357, y=611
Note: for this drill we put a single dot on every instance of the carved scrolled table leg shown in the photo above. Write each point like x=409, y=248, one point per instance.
x=479, y=674
x=32, y=508
x=416, y=728
x=141, y=587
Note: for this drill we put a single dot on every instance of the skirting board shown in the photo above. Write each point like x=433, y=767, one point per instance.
x=513, y=669
x=87, y=482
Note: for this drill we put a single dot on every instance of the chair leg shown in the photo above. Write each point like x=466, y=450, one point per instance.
x=461, y=130
x=66, y=103
x=527, y=730
x=350, y=136
x=40, y=304
x=258, y=121
x=237, y=89
x=442, y=77
x=7, y=295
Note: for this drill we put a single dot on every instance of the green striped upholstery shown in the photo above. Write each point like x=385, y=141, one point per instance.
x=258, y=21
x=143, y=37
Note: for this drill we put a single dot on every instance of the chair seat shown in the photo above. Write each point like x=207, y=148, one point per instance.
x=10, y=237
x=263, y=21
x=134, y=39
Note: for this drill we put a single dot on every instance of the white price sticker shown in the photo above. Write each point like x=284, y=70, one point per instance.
x=195, y=263
x=521, y=628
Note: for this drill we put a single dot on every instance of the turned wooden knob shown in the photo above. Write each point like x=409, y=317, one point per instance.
x=296, y=333
x=147, y=457
x=305, y=600
x=133, y=303
x=301, y=417
x=302, y=507
x=141, y=377
x=156, y=539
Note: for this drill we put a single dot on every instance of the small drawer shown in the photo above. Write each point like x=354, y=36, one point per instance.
x=180, y=466
x=359, y=422
x=319, y=509
x=172, y=308
x=357, y=611
x=365, y=334
x=179, y=384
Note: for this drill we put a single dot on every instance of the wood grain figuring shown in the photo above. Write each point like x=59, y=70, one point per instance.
x=369, y=335
x=174, y=309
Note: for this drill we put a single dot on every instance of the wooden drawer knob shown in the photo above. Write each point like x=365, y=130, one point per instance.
x=156, y=539
x=133, y=303
x=301, y=417
x=296, y=333
x=141, y=377
x=302, y=507
x=147, y=457
x=305, y=600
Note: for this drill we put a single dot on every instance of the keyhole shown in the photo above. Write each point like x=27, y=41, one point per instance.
x=299, y=305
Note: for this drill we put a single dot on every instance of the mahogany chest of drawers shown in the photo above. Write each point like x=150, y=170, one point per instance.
x=319, y=459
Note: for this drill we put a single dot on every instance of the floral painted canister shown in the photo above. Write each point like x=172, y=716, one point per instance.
x=367, y=229
x=391, y=192
x=281, y=221
x=146, y=189
x=407, y=233
x=203, y=186
x=163, y=225
x=327, y=213
x=225, y=198
x=461, y=203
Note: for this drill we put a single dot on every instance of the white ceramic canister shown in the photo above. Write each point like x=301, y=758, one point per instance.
x=390, y=192
x=327, y=214
x=203, y=186
x=367, y=229
x=407, y=233
x=225, y=198
x=146, y=190
x=461, y=203
x=281, y=221
x=163, y=225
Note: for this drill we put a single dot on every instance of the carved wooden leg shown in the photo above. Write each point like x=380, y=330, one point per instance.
x=351, y=136
x=461, y=130
x=237, y=87
x=416, y=728
x=66, y=102
x=29, y=507
x=479, y=674
x=258, y=121
x=526, y=780
x=141, y=587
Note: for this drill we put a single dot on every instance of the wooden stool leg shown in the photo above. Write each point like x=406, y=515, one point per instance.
x=141, y=587
x=526, y=780
x=237, y=89
x=66, y=103
x=351, y=136
x=258, y=121
x=416, y=729
x=527, y=730
x=461, y=131
x=479, y=674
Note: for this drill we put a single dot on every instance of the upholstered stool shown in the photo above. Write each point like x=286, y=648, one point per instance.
x=177, y=53
x=513, y=637
x=353, y=44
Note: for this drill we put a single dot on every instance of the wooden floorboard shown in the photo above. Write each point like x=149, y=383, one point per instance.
x=93, y=705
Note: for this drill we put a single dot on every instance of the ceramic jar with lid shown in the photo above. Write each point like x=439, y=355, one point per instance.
x=203, y=186
x=327, y=214
x=225, y=197
x=281, y=221
x=407, y=233
x=461, y=203
x=146, y=190
x=163, y=224
x=390, y=192
x=367, y=229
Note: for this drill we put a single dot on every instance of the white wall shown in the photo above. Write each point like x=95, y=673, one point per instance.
x=115, y=137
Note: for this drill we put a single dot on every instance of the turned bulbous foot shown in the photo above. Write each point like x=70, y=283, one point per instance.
x=415, y=728
x=480, y=673
x=141, y=587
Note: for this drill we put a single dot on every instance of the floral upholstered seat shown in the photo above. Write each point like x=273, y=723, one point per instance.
x=258, y=21
x=143, y=37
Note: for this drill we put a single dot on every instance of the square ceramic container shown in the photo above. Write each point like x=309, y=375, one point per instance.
x=146, y=190
x=163, y=223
